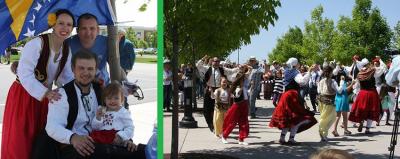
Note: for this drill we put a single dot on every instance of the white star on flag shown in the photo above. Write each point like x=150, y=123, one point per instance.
x=37, y=8
x=29, y=33
x=33, y=20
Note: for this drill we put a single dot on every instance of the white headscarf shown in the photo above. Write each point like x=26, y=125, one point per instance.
x=292, y=62
x=392, y=76
x=363, y=62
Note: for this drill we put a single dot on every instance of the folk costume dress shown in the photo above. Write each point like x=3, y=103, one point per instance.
x=290, y=113
x=367, y=104
x=327, y=88
x=222, y=103
x=26, y=107
x=237, y=114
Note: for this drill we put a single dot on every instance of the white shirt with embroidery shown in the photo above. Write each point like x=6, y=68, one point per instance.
x=26, y=67
x=116, y=120
x=58, y=114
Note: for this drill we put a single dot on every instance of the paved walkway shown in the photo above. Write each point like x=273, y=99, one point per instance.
x=263, y=140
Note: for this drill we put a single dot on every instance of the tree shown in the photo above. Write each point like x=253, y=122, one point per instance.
x=396, y=37
x=369, y=31
x=151, y=39
x=213, y=27
x=344, y=46
x=217, y=27
x=318, y=37
x=366, y=33
x=310, y=46
x=289, y=45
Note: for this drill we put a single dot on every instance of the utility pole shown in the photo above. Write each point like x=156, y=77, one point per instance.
x=238, y=56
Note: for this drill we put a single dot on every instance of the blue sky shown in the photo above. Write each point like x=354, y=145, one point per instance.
x=296, y=12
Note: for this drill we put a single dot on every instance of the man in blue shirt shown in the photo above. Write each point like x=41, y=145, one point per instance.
x=88, y=38
x=255, y=82
x=126, y=52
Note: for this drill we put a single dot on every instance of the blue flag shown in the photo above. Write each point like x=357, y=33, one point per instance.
x=20, y=19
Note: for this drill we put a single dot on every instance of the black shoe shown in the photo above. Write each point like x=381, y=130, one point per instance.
x=253, y=116
x=360, y=127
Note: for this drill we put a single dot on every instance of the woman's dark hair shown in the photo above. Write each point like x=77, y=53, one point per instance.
x=237, y=81
x=327, y=71
x=65, y=11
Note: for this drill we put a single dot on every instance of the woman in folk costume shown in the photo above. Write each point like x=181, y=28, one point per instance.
x=44, y=60
x=290, y=114
x=380, y=69
x=386, y=102
x=237, y=113
x=327, y=89
x=222, y=98
x=367, y=105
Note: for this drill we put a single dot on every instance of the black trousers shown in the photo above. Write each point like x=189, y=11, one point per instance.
x=313, y=97
x=208, y=108
x=105, y=151
x=167, y=97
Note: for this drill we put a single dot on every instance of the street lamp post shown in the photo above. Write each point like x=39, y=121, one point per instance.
x=189, y=74
x=238, y=56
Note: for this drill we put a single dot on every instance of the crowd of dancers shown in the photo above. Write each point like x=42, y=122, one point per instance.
x=230, y=92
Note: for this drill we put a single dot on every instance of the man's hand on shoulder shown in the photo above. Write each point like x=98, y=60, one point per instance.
x=82, y=144
x=53, y=95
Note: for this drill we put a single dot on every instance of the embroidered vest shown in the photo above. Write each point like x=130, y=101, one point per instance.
x=41, y=66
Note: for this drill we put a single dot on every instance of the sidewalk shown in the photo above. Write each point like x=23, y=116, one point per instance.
x=263, y=140
x=144, y=118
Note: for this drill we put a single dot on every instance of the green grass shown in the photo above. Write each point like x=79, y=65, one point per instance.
x=13, y=58
x=146, y=60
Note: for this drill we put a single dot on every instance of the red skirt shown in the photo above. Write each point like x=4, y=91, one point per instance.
x=366, y=106
x=103, y=136
x=288, y=113
x=24, y=118
x=237, y=115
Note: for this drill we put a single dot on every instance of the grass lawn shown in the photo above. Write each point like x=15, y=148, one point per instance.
x=146, y=60
x=12, y=58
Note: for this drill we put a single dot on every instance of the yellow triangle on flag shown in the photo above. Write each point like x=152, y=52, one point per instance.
x=18, y=10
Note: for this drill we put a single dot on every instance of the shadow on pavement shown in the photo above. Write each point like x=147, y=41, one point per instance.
x=271, y=150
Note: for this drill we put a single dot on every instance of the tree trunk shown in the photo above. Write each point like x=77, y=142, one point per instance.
x=175, y=107
x=113, y=50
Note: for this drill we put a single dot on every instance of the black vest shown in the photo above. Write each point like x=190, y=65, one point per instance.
x=45, y=147
x=209, y=72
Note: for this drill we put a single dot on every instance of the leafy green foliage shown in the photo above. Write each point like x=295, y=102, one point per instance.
x=366, y=33
x=396, y=37
x=215, y=27
x=138, y=43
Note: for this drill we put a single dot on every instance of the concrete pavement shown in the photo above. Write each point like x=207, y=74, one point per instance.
x=263, y=139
